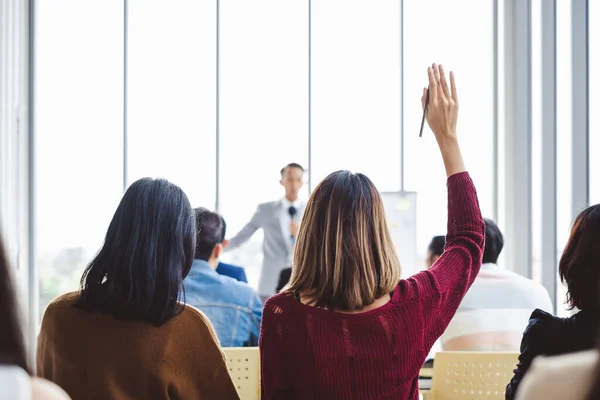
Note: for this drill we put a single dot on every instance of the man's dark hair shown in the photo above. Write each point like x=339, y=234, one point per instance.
x=494, y=242
x=291, y=165
x=147, y=253
x=210, y=229
x=436, y=247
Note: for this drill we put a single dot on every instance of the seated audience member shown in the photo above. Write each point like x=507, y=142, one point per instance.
x=435, y=250
x=579, y=269
x=126, y=335
x=284, y=278
x=573, y=376
x=233, y=271
x=233, y=307
x=16, y=382
x=489, y=316
x=347, y=326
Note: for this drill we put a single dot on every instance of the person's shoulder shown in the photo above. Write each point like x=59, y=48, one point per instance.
x=235, y=286
x=278, y=305
x=556, y=377
x=580, y=360
x=269, y=205
x=63, y=303
x=544, y=327
x=46, y=390
x=193, y=321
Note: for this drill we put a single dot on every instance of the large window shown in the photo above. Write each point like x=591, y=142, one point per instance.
x=356, y=89
x=79, y=135
x=263, y=109
x=440, y=31
x=218, y=96
x=171, y=107
x=594, y=105
x=563, y=134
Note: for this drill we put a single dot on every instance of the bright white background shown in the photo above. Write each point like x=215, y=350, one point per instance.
x=236, y=143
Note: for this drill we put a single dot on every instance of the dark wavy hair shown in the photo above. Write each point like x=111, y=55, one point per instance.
x=12, y=340
x=147, y=253
x=579, y=266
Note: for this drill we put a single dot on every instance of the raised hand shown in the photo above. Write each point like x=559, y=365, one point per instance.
x=442, y=115
x=442, y=111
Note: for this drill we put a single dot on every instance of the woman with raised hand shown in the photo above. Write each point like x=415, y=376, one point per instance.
x=347, y=326
x=126, y=335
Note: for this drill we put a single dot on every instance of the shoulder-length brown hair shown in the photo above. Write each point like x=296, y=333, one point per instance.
x=344, y=258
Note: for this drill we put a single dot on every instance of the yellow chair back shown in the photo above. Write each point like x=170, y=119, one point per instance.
x=244, y=367
x=472, y=375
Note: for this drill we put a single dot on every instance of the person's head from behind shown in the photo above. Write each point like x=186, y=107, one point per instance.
x=344, y=258
x=579, y=266
x=494, y=242
x=12, y=343
x=435, y=250
x=148, y=251
x=292, y=176
x=210, y=237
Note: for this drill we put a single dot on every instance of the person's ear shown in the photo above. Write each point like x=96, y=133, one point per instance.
x=434, y=258
x=225, y=243
x=217, y=251
x=281, y=182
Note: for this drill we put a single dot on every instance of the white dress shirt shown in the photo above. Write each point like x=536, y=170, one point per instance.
x=285, y=219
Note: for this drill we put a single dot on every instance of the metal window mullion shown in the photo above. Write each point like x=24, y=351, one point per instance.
x=580, y=111
x=517, y=20
x=549, y=158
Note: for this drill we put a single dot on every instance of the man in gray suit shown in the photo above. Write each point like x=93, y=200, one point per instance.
x=280, y=221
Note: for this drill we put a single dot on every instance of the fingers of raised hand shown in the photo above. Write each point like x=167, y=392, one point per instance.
x=443, y=82
x=433, y=85
x=453, y=88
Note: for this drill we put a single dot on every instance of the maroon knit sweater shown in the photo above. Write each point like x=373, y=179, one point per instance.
x=313, y=353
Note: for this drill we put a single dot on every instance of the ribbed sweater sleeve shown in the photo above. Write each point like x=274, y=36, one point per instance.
x=444, y=285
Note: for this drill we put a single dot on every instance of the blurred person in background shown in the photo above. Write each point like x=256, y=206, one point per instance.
x=489, y=316
x=230, y=270
x=435, y=250
x=233, y=307
x=280, y=222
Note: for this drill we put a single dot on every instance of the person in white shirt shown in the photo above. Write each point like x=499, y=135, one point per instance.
x=491, y=314
x=280, y=222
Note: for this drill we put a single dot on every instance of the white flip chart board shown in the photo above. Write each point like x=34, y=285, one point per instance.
x=401, y=213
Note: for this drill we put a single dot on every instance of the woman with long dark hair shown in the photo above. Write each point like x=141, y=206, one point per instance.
x=15, y=380
x=127, y=334
x=579, y=269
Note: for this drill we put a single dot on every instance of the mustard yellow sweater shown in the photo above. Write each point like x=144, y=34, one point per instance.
x=95, y=356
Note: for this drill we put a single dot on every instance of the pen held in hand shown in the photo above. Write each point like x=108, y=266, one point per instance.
x=424, y=113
